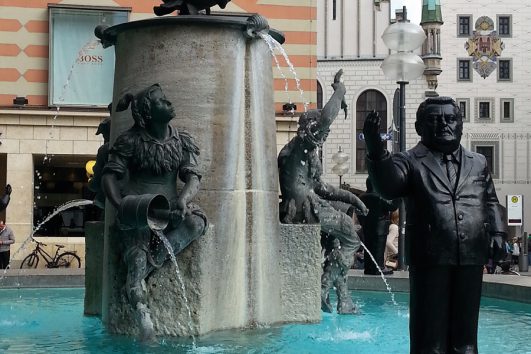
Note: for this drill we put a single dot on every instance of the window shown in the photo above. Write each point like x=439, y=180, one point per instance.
x=80, y=70
x=464, y=73
x=507, y=110
x=504, y=26
x=57, y=181
x=489, y=149
x=370, y=100
x=463, y=25
x=464, y=107
x=484, y=110
x=504, y=70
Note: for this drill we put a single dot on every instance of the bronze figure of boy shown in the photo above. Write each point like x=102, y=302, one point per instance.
x=453, y=216
x=148, y=159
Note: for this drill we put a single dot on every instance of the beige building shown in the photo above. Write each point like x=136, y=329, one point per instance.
x=349, y=37
x=485, y=67
x=55, y=85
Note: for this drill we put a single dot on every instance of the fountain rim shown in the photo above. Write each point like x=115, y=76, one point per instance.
x=235, y=21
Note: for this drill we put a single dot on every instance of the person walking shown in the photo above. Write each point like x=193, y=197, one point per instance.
x=516, y=251
x=6, y=239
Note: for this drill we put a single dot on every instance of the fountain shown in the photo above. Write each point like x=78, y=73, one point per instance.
x=216, y=70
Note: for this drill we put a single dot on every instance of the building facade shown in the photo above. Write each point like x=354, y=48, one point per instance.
x=485, y=52
x=349, y=38
x=56, y=82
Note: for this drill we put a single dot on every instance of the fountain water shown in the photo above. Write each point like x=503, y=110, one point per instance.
x=57, y=211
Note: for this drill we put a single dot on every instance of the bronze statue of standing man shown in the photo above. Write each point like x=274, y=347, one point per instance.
x=453, y=217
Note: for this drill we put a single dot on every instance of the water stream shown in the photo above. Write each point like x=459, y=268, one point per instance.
x=61, y=208
x=273, y=45
x=389, y=290
x=169, y=248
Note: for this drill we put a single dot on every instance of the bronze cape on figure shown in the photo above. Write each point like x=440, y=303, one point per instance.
x=147, y=160
x=306, y=198
x=453, y=216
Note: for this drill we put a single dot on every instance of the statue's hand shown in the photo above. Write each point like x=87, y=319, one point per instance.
x=497, y=247
x=181, y=210
x=361, y=210
x=8, y=189
x=371, y=132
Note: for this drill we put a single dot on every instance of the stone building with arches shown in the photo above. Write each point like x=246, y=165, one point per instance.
x=349, y=37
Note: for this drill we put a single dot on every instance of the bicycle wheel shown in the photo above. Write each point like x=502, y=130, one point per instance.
x=30, y=261
x=68, y=260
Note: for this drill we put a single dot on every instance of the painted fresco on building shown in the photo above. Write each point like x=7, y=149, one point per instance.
x=484, y=46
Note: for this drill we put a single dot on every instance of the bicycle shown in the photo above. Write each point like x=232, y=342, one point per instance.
x=59, y=260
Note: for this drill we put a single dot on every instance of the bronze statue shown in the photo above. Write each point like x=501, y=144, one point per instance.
x=376, y=227
x=148, y=159
x=187, y=7
x=335, y=270
x=104, y=128
x=306, y=198
x=453, y=216
x=4, y=201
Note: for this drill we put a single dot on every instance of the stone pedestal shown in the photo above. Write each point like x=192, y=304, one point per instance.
x=208, y=282
x=218, y=76
x=300, y=255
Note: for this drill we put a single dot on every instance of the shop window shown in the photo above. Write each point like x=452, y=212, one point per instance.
x=80, y=71
x=60, y=179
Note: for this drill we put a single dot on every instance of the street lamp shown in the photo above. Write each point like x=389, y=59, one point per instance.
x=341, y=167
x=403, y=66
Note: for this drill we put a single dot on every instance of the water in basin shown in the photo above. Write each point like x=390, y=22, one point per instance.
x=52, y=321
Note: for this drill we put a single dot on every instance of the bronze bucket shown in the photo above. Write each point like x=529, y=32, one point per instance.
x=145, y=210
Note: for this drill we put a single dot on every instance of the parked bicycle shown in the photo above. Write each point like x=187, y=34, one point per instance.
x=59, y=260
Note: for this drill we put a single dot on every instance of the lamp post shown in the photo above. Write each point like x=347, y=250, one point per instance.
x=403, y=66
x=340, y=168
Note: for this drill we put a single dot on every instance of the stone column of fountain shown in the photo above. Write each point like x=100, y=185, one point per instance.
x=218, y=75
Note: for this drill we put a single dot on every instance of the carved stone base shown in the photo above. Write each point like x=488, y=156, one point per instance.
x=300, y=276
x=301, y=272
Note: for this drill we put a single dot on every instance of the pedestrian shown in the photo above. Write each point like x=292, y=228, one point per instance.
x=516, y=251
x=391, y=244
x=6, y=239
x=452, y=217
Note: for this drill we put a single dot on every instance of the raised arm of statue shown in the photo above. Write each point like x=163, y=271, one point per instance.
x=336, y=102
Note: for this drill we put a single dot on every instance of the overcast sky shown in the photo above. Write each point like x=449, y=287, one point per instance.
x=414, y=8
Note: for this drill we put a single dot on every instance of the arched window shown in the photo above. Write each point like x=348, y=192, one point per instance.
x=319, y=95
x=370, y=100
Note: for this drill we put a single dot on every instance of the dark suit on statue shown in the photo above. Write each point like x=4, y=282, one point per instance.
x=446, y=235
